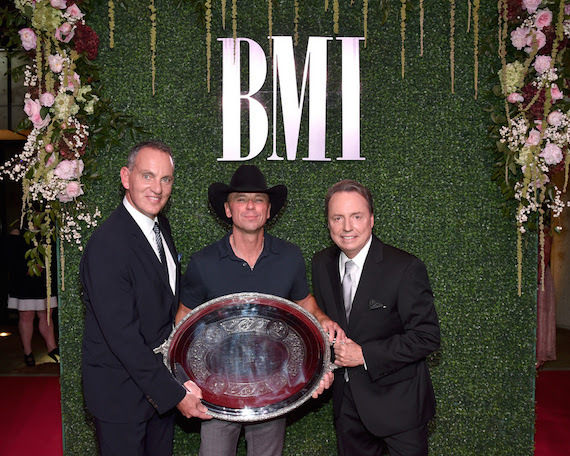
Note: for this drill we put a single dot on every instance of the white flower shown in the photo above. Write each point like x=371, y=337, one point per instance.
x=552, y=154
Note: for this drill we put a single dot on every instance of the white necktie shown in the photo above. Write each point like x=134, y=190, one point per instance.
x=347, y=287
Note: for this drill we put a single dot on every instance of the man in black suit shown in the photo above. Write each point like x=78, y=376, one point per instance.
x=383, y=396
x=131, y=288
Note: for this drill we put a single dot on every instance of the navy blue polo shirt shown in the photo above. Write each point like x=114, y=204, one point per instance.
x=216, y=271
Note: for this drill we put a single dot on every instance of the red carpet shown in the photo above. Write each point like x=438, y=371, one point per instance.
x=552, y=436
x=31, y=417
x=31, y=422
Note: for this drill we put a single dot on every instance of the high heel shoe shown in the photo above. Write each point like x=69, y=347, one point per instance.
x=54, y=354
x=29, y=360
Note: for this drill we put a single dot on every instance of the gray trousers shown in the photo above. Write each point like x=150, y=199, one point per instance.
x=220, y=438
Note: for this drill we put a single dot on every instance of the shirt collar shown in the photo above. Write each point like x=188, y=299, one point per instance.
x=146, y=224
x=359, y=259
x=227, y=251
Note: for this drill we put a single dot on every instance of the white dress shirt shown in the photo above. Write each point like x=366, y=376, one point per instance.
x=146, y=224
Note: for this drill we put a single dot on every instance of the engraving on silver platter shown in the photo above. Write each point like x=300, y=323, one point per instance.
x=215, y=333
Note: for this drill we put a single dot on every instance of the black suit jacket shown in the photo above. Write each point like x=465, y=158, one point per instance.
x=394, y=320
x=129, y=310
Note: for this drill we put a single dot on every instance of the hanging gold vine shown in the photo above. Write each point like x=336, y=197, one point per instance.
x=403, y=35
x=224, y=14
x=422, y=28
x=62, y=263
x=111, y=24
x=469, y=7
x=270, y=20
x=208, y=17
x=326, y=5
x=335, y=16
x=365, y=20
x=153, y=41
x=476, y=45
x=296, y=22
x=452, y=44
x=234, y=21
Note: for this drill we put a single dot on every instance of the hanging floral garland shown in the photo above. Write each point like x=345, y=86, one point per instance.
x=64, y=108
x=533, y=139
x=59, y=105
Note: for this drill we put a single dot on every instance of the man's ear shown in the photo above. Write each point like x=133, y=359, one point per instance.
x=125, y=173
x=227, y=209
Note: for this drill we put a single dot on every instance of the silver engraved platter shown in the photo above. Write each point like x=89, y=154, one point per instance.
x=254, y=356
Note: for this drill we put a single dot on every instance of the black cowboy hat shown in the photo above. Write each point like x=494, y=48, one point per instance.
x=246, y=179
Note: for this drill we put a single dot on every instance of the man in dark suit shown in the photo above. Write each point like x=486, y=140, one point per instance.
x=383, y=396
x=131, y=288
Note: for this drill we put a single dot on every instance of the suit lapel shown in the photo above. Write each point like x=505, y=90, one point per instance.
x=335, y=286
x=142, y=243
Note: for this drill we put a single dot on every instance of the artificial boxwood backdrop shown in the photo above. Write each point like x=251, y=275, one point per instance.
x=426, y=162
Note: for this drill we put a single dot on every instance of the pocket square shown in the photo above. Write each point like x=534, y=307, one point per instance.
x=373, y=304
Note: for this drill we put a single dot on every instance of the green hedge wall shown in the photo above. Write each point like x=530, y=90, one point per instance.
x=427, y=163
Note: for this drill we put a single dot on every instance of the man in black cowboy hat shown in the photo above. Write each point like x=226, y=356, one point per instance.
x=247, y=259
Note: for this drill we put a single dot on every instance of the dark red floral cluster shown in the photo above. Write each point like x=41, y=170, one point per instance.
x=515, y=11
x=86, y=40
x=64, y=149
x=536, y=110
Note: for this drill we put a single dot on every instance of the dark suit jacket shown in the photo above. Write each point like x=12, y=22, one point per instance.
x=129, y=310
x=394, y=320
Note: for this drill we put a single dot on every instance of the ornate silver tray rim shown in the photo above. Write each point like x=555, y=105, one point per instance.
x=265, y=412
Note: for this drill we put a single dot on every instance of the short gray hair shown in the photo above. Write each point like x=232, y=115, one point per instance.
x=152, y=144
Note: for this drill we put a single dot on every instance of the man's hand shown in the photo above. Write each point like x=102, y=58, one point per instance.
x=190, y=406
x=335, y=332
x=348, y=354
x=325, y=383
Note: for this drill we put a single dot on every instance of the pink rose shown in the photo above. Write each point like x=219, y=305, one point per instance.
x=515, y=98
x=65, y=32
x=29, y=38
x=59, y=4
x=519, y=37
x=556, y=93
x=32, y=107
x=55, y=63
x=39, y=122
x=47, y=99
x=537, y=39
x=542, y=63
x=531, y=5
x=552, y=154
x=73, y=81
x=72, y=190
x=533, y=137
x=543, y=18
x=75, y=12
x=567, y=9
x=555, y=118
x=69, y=169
